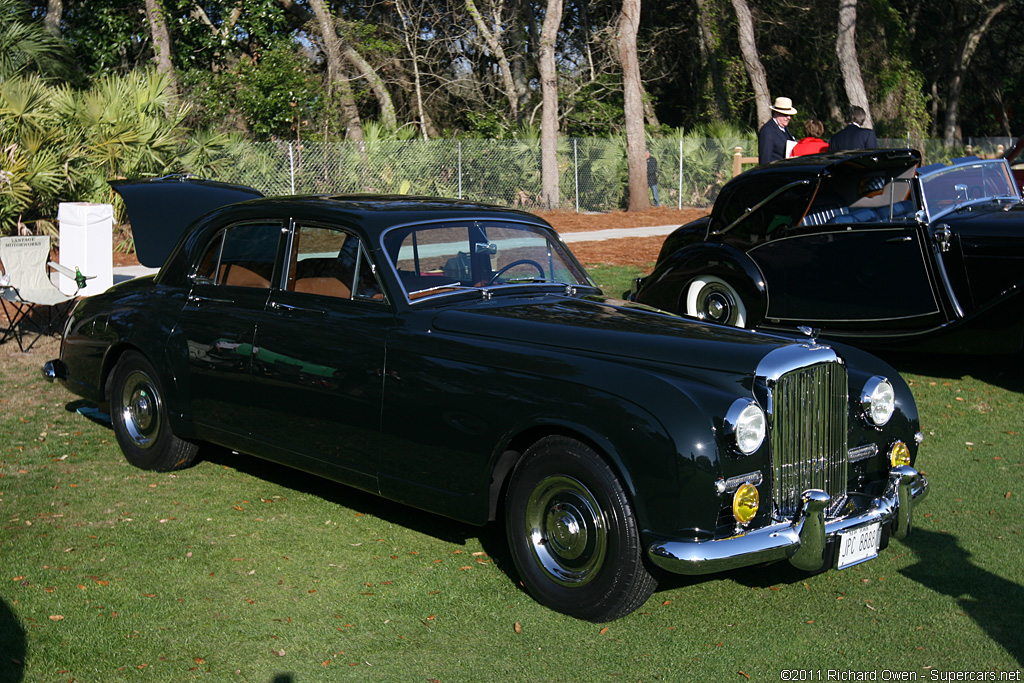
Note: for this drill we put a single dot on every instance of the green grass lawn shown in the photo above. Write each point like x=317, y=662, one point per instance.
x=239, y=570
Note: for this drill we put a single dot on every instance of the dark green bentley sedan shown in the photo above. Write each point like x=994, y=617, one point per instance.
x=456, y=357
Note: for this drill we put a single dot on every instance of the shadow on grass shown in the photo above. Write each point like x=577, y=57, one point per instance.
x=755, y=576
x=1006, y=372
x=12, y=646
x=994, y=603
x=491, y=536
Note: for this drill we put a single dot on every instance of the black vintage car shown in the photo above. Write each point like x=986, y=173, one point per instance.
x=863, y=246
x=456, y=357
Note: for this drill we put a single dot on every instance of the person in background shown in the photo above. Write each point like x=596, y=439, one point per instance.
x=812, y=143
x=773, y=136
x=652, y=176
x=854, y=136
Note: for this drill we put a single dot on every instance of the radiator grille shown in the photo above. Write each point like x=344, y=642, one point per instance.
x=809, y=421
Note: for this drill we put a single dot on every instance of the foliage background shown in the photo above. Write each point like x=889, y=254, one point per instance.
x=81, y=103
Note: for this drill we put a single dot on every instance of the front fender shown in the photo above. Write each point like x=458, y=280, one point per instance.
x=667, y=458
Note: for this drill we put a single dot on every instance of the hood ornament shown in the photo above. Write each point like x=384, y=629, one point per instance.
x=812, y=333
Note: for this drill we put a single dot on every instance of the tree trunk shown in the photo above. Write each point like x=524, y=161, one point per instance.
x=54, y=14
x=713, y=89
x=846, y=51
x=752, y=60
x=494, y=45
x=636, y=141
x=387, y=106
x=410, y=47
x=549, y=115
x=337, y=81
x=956, y=77
x=162, y=46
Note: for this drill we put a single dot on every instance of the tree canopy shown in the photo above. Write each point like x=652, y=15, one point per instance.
x=471, y=67
x=92, y=89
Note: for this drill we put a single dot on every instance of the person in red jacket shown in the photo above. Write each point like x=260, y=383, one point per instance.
x=812, y=144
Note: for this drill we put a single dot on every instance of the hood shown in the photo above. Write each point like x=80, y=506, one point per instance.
x=1000, y=212
x=161, y=210
x=615, y=328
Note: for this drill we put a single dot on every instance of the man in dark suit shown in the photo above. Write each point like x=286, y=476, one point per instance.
x=854, y=136
x=773, y=136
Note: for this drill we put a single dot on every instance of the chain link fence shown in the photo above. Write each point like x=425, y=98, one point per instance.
x=593, y=171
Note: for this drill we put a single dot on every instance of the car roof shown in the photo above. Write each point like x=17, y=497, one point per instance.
x=850, y=160
x=161, y=210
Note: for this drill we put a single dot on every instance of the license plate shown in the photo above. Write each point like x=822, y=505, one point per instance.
x=858, y=545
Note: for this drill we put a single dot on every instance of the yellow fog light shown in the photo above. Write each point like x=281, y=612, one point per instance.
x=745, y=502
x=899, y=454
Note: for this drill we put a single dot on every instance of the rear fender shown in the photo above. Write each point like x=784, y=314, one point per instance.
x=666, y=287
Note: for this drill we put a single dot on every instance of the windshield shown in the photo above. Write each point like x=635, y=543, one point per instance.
x=445, y=258
x=948, y=188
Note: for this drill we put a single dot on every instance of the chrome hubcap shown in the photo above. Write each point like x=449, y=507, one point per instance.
x=567, y=535
x=566, y=530
x=140, y=411
x=716, y=304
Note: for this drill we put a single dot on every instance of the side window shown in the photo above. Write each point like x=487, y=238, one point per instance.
x=241, y=256
x=325, y=261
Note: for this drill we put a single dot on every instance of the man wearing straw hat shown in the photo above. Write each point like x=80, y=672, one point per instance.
x=773, y=137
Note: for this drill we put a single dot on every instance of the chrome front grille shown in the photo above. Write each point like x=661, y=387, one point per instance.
x=809, y=422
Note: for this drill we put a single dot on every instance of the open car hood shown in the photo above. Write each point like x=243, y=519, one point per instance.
x=161, y=210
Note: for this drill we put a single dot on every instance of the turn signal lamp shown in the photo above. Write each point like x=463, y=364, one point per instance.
x=899, y=454
x=745, y=502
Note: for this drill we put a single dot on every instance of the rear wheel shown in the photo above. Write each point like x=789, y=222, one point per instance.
x=714, y=300
x=139, y=418
x=573, y=534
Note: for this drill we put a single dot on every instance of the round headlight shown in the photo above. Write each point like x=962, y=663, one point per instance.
x=747, y=424
x=899, y=454
x=878, y=400
x=745, y=502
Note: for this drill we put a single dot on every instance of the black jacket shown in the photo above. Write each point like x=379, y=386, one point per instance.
x=853, y=137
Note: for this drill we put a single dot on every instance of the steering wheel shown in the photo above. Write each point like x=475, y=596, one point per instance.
x=520, y=262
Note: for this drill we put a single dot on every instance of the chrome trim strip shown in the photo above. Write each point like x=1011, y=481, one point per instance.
x=803, y=540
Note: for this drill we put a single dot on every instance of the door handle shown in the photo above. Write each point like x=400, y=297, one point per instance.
x=288, y=308
x=209, y=299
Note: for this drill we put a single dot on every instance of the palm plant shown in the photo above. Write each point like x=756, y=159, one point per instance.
x=61, y=144
x=25, y=45
x=30, y=170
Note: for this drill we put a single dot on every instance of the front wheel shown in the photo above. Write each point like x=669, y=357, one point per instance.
x=573, y=534
x=714, y=300
x=139, y=418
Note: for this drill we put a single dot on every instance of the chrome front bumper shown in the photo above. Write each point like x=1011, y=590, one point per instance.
x=804, y=540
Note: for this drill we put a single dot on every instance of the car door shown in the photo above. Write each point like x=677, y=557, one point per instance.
x=318, y=358
x=989, y=248
x=978, y=243
x=230, y=288
x=859, y=268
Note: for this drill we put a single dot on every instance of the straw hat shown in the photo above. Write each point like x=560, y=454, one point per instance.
x=783, y=105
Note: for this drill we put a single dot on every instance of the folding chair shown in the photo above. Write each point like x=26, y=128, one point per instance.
x=29, y=290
